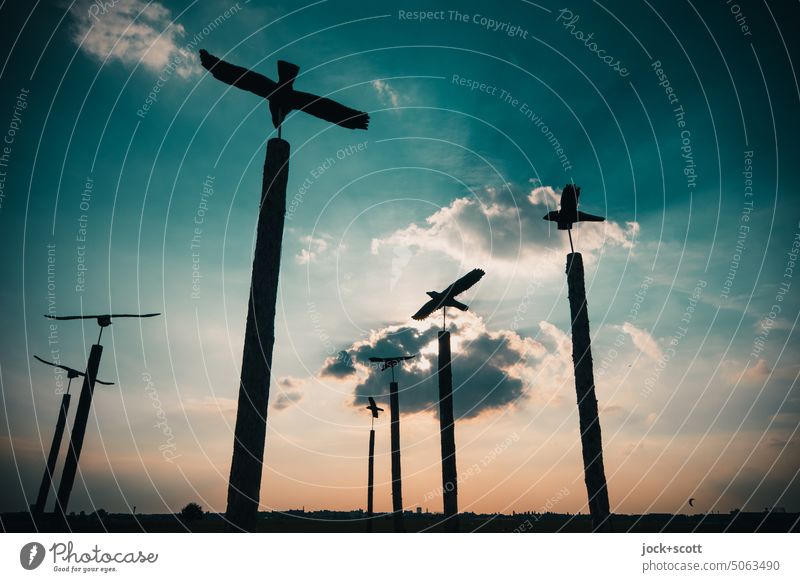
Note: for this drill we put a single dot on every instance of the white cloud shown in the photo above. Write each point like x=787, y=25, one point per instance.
x=133, y=32
x=642, y=339
x=386, y=92
x=499, y=229
x=315, y=248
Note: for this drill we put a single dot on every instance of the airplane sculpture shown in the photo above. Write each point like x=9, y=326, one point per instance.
x=282, y=96
x=447, y=298
x=71, y=372
x=390, y=363
x=102, y=320
x=569, y=213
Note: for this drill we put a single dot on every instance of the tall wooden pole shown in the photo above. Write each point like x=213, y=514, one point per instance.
x=55, y=446
x=397, y=484
x=251, y=416
x=447, y=429
x=370, y=478
x=78, y=432
x=591, y=440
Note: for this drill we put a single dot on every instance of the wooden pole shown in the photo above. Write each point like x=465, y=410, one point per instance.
x=370, y=478
x=397, y=484
x=78, y=432
x=55, y=446
x=251, y=416
x=447, y=429
x=591, y=439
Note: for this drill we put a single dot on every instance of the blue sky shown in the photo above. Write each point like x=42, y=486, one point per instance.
x=460, y=162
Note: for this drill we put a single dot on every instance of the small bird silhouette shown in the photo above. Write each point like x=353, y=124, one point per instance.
x=373, y=407
x=281, y=95
x=569, y=213
x=447, y=298
x=691, y=502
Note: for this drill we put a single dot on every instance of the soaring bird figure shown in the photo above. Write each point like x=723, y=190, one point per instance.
x=71, y=372
x=102, y=320
x=569, y=213
x=691, y=502
x=373, y=407
x=447, y=298
x=282, y=96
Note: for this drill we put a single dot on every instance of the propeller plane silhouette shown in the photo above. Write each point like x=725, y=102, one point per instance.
x=373, y=407
x=569, y=214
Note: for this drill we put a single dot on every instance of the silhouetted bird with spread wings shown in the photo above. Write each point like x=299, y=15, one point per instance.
x=447, y=298
x=569, y=213
x=373, y=407
x=281, y=95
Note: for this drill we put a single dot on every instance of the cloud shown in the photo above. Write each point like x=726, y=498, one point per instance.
x=133, y=32
x=315, y=248
x=386, y=92
x=339, y=366
x=289, y=392
x=491, y=369
x=210, y=405
x=503, y=228
x=642, y=339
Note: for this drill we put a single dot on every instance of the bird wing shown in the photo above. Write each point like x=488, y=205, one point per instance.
x=373, y=359
x=118, y=315
x=237, y=76
x=585, y=217
x=65, y=317
x=55, y=365
x=101, y=382
x=465, y=282
x=407, y=357
x=330, y=110
x=426, y=310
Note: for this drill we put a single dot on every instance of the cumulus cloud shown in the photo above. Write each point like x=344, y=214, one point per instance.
x=315, y=247
x=133, y=32
x=386, y=92
x=642, y=339
x=491, y=369
x=289, y=392
x=501, y=228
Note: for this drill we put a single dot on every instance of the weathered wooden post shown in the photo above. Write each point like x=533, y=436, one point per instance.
x=591, y=440
x=448, y=435
x=251, y=417
x=397, y=480
x=370, y=478
x=52, y=457
x=442, y=300
x=78, y=432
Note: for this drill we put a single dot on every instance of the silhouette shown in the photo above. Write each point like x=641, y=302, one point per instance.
x=691, y=502
x=55, y=446
x=447, y=298
x=569, y=213
x=446, y=418
x=282, y=96
x=589, y=419
x=373, y=407
x=84, y=405
x=192, y=512
x=251, y=415
x=371, y=463
x=394, y=408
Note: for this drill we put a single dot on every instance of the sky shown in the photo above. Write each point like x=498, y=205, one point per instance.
x=130, y=182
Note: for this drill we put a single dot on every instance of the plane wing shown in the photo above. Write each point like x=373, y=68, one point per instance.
x=585, y=217
x=330, y=110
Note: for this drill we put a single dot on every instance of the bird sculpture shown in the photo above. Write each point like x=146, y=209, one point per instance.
x=282, y=96
x=447, y=298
